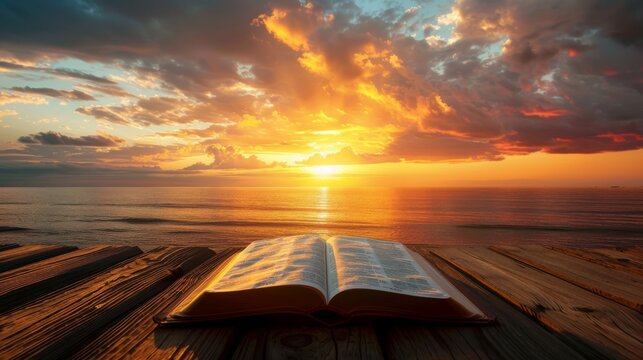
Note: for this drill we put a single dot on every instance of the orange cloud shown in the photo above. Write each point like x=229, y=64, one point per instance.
x=293, y=27
x=278, y=27
x=314, y=62
x=346, y=156
x=621, y=138
x=229, y=157
x=545, y=113
x=21, y=98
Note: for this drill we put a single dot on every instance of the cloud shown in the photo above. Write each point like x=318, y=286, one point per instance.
x=103, y=113
x=65, y=174
x=346, y=156
x=155, y=110
x=111, y=90
x=417, y=146
x=62, y=94
x=13, y=98
x=81, y=75
x=136, y=155
x=54, y=138
x=59, y=72
x=606, y=142
x=287, y=77
x=9, y=112
x=228, y=157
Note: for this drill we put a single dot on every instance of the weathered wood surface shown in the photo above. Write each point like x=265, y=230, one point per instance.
x=28, y=282
x=514, y=336
x=108, y=315
x=622, y=259
x=137, y=335
x=624, y=288
x=584, y=318
x=8, y=246
x=278, y=341
x=23, y=255
x=57, y=325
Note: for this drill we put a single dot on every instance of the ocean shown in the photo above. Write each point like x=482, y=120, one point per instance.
x=222, y=217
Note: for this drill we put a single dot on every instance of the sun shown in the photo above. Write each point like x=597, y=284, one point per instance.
x=324, y=170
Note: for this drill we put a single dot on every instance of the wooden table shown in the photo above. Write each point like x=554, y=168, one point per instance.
x=98, y=302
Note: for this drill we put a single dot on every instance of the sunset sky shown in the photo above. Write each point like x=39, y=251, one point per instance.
x=346, y=93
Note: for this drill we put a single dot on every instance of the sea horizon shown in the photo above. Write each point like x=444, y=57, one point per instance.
x=234, y=216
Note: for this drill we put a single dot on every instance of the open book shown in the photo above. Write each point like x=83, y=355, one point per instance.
x=311, y=275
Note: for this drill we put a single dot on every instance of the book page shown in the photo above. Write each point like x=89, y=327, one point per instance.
x=359, y=263
x=293, y=260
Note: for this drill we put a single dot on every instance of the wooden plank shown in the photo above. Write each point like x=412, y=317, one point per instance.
x=23, y=255
x=211, y=342
x=309, y=342
x=28, y=282
x=137, y=335
x=8, y=246
x=56, y=325
x=357, y=342
x=296, y=342
x=626, y=289
x=609, y=328
x=623, y=259
x=514, y=336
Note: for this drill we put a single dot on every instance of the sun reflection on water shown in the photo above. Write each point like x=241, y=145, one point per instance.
x=323, y=207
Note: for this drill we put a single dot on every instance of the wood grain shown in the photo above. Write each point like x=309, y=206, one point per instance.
x=23, y=255
x=8, y=246
x=273, y=341
x=514, y=336
x=357, y=342
x=56, y=325
x=624, y=288
x=108, y=315
x=276, y=342
x=28, y=282
x=211, y=342
x=137, y=335
x=611, y=329
x=623, y=259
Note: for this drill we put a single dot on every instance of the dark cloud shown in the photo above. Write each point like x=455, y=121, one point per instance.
x=61, y=94
x=66, y=174
x=606, y=142
x=567, y=75
x=66, y=73
x=146, y=111
x=417, y=146
x=69, y=174
x=75, y=74
x=120, y=29
x=137, y=155
x=92, y=83
x=103, y=113
x=54, y=138
x=11, y=66
x=111, y=90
